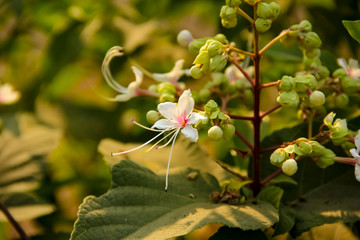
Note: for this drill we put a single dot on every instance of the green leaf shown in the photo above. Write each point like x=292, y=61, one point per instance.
x=271, y=194
x=186, y=154
x=286, y=220
x=236, y=233
x=333, y=202
x=353, y=27
x=282, y=178
x=136, y=207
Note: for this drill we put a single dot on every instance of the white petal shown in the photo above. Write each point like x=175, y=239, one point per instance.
x=342, y=63
x=138, y=75
x=195, y=118
x=357, y=171
x=353, y=63
x=190, y=133
x=354, y=153
x=164, y=124
x=357, y=141
x=186, y=103
x=173, y=75
x=123, y=97
x=168, y=110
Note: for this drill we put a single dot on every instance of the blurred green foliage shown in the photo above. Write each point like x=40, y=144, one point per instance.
x=52, y=52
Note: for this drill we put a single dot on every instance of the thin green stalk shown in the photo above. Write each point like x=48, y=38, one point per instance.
x=283, y=33
x=243, y=14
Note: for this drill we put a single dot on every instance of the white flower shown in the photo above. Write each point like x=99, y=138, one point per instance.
x=172, y=76
x=351, y=68
x=126, y=93
x=8, y=94
x=356, y=154
x=177, y=117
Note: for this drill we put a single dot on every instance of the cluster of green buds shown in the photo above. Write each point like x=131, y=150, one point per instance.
x=348, y=84
x=308, y=41
x=196, y=44
x=228, y=13
x=287, y=157
x=219, y=124
x=301, y=87
x=166, y=91
x=267, y=13
x=315, y=67
x=212, y=57
x=338, y=129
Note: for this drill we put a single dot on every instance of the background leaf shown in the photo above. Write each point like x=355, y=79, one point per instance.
x=136, y=207
x=353, y=28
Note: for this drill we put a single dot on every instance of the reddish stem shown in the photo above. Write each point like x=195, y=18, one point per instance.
x=271, y=176
x=241, y=117
x=13, y=222
x=271, y=84
x=269, y=149
x=242, y=138
x=270, y=110
x=246, y=75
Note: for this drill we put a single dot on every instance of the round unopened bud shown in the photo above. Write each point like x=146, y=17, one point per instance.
x=215, y=133
x=287, y=83
x=341, y=100
x=229, y=23
x=227, y=13
x=214, y=47
x=262, y=24
x=233, y=3
x=166, y=97
x=228, y=131
x=153, y=88
x=303, y=149
x=305, y=26
x=312, y=40
x=288, y=99
x=166, y=87
x=349, y=85
x=323, y=71
x=340, y=73
x=326, y=159
x=217, y=63
x=289, y=167
x=195, y=72
x=317, y=98
x=264, y=10
x=312, y=53
x=152, y=116
x=276, y=9
x=278, y=157
x=202, y=58
x=221, y=38
x=184, y=38
x=194, y=46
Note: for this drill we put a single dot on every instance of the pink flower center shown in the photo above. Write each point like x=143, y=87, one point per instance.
x=182, y=120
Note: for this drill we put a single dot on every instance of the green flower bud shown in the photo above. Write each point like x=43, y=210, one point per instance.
x=204, y=94
x=303, y=82
x=227, y=13
x=326, y=159
x=229, y=23
x=166, y=97
x=278, y=157
x=340, y=73
x=215, y=133
x=289, y=149
x=214, y=47
x=288, y=99
x=153, y=88
x=194, y=46
x=341, y=100
x=287, y=83
x=317, y=148
x=312, y=53
x=317, y=98
x=262, y=25
x=228, y=131
x=276, y=9
x=211, y=106
x=233, y=3
x=202, y=58
x=152, y=116
x=217, y=63
x=195, y=72
x=323, y=72
x=312, y=40
x=303, y=149
x=264, y=10
x=349, y=85
x=294, y=30
x=221, y=38
x=339, y=129
x=305, y=26
x=166, y=87
x=184, y=38
x=289, y=167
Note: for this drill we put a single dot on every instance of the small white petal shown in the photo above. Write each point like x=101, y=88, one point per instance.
x=164, y=124
x=357, y=141
x=357, y=171
x=173, y=75
x=354, y=153
x=168, y=110
x=138, y=75
x=342, y=63
x=190, y=133
x=195, y=118
x=186, y=103
x=353, y=63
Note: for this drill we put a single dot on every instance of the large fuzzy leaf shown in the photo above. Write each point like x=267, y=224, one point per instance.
x=136, y=207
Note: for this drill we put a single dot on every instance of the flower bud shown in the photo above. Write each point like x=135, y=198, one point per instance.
x=262, y=25
x=326, y=159
x=184, y=38
x=349, y=85
x=166, y=87
x=202, y=58
x=194, y=46
x=303, y=82
x=312, y=40
x=278, y=157
x=317, y=98
x=221, y=38
x=287, y=83
x=289, y=167
x=215, y=133
x=166, y=97
x=276, y=9
x=288, y=99
x=294, y=30
x=153, y=88
x=340, y=73
x=233, y=3
x=303, y=149
x=229, y=23
x=339, y=129
x=323, y=72
x=152, y=116
x=264, y=10
x=312, y=53
x=217, y=63
x=305, y=26
x=214, y=47
x=328, y=120
x=341, y=100
x=210, y=106
x=227, y=13
x=195, y=72
x=228, y=131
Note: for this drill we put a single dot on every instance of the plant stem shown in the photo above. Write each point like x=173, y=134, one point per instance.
x=241, y=51
x=13, y=222
x=270, y=110
x=271, y=176
x=269, y=149
x=271, y=84
x=241, y=117
x=228, y=169
x=246, y=75
x=310, y=126
x=283, y=33
x=242, y=138
x=242, y=13
x=256, y=185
